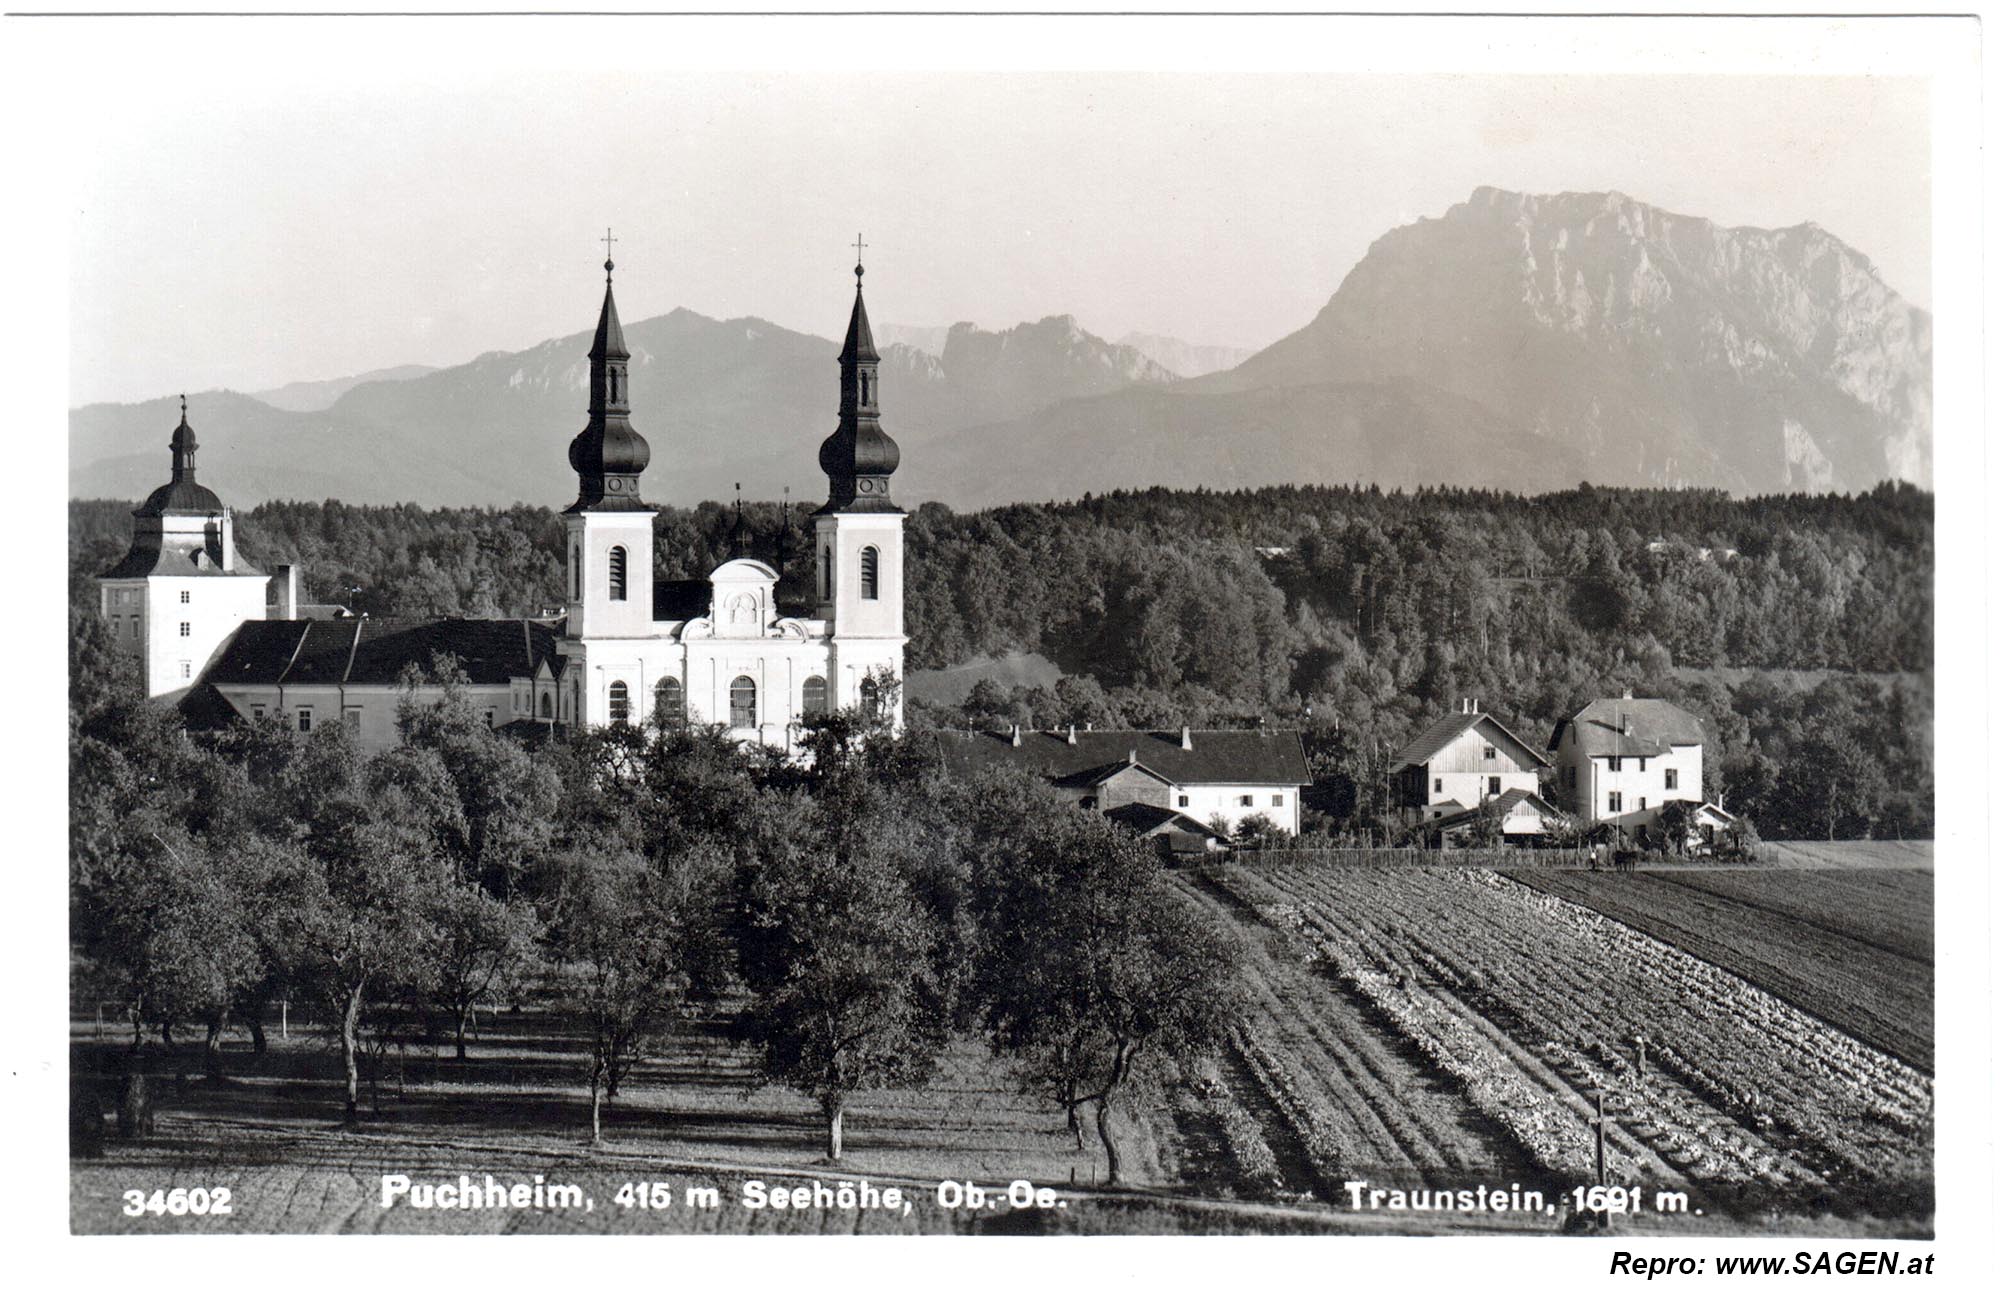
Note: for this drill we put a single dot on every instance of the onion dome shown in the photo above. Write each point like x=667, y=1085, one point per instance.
x=608, y=454
x=859, y=457
x=182, y=494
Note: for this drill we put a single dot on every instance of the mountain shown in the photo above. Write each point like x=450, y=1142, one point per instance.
x=1184, y=358
x=926, y=338
x=1395, y=433
x=720, y=401
x=1651, y=348
x=312, y=397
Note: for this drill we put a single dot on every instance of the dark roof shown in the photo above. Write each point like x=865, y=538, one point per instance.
x=860, y=343
x=1657, y=727
x=374, y=650
x=1148, y=819
x=188, y=496
x=1438, y=736
x=610, y=339
x=203, y=709
x=681, y=600
x=1503, y=804
x=147, y=557
x=1260, y=756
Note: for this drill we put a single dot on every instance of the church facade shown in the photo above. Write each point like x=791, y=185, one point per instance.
x=628, y=647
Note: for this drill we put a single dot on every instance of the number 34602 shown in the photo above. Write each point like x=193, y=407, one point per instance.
x=178, y=1201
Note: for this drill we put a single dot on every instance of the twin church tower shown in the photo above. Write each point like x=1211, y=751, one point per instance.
x=228, y=640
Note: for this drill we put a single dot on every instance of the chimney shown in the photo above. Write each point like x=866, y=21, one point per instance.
x=285, y=585
x=1072, y=735
x=1015, y=739
x=1628, y=692
x=1133, y=755
x=1187, y=739
x=1624, y=723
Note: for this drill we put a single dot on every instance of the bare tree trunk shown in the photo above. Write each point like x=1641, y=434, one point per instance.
x=1104, y=1136
x=350, y=1047
x=211, y=1048
x=463, y=1011
x=259, y=1045
x=835, y=1108
x=1075, y=1123
x=596, y=1106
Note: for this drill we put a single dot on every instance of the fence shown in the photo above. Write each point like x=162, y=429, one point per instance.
x=1411, y=857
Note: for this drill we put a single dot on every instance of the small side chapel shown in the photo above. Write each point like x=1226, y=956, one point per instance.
x=627, y=646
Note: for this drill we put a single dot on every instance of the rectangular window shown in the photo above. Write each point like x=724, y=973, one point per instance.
x=1642, y=802
x=184, y=596
x=305, y=719
x=1642, y=764
x=135, y=627
x=1615, y=802
x=1245, y=801
x=351, y=716
x=186, y=629
x=1183, y=802
x=1489, y=753
x=187, y=669
x=1437, y=784
x=1277, y=802
x=489, y=719
x=256, y=714
x=1673, y=779
x=1493, y=786
x=1615, y=764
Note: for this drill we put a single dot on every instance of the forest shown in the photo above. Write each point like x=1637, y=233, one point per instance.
x=1798, y=628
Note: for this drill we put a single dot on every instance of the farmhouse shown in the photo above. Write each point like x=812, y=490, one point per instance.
x=1155, y=782
x=210, y=631
x=1620, y=760
x=1460, y=762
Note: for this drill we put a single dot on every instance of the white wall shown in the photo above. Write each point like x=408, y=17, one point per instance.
x=215, y=606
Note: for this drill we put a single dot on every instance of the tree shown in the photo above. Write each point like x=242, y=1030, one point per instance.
x=636, y=944
x=1094, y=970
x=841, y=957
x=482, y=943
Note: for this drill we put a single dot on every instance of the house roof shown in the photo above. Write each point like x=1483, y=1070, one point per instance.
x=1504, y=805
x=150, y=555
x=1225, y=756
x=204, y=709
x=1419, y=749
x=374, y=650
x=1657, y=727
x=1149, y=819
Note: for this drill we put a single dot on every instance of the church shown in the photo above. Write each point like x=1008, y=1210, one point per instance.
x=226, y=640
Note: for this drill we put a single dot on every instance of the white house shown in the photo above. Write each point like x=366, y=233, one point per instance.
x=1619, y=760
x=721, y=650
x=1460, y=762
x=1196, y=774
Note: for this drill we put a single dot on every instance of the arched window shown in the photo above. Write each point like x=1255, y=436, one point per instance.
x=669, y=705
x=548, y=706
x=871, y=562
x=621, y=703
x=575, y=572
x=815, y=698
x=826, y=573
x=743, y=702
x=871, y=698
x=617, y=573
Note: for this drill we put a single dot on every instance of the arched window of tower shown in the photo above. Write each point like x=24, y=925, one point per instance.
x=871, y=695
x=826, y=573
x=815, y=696
x=621, y=702
x=743, y=702
x=617, y=573
x=871, y=562
x=576, y=572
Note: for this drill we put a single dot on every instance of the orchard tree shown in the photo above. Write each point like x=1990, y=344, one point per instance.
x=842, y=957
x=634, y=944
x=1095, y=970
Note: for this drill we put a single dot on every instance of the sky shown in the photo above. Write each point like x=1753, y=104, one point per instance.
x=248, y=215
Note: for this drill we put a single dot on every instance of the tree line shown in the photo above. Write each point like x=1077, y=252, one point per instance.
x=1799, y=628
x=853, y=917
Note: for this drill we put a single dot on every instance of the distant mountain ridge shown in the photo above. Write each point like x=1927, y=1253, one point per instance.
x=1517, y=341
x=1185, y=358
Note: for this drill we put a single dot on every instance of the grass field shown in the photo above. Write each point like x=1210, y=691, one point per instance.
x=1852, y=946
x=1844, y=854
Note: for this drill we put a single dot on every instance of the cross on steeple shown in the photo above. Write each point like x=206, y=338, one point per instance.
x=608, y=241
x=858, y=245
x=184, y=406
